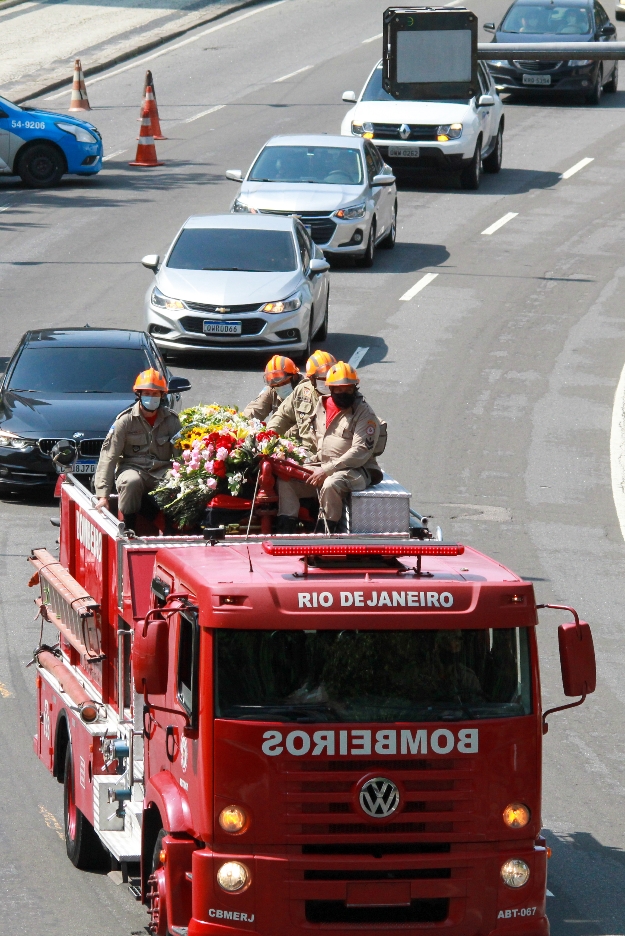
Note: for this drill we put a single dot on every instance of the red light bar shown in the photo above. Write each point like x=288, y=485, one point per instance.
x=327, y=548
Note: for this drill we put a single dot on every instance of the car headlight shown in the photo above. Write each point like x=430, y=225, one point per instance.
x=515, y=872
x=241, y=206
x=10, y=440
x=448, y=132
x=164, y=302
x=283, y=305
x=355, y=211
x=82, y=135
x=233, y=877
x=577, y=63
x=363, y=129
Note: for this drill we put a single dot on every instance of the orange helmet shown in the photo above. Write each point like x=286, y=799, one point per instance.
x=319, y=363
x=341, y=375
x=279, y=369
x=150, y=380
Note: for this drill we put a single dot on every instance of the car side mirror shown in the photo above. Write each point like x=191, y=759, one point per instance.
x=608, y=30
x=151, y=262
x=349, y=97
x=235, y=175
x=179, y=384
x=577, y=658
x=486, y=100
x=319, y=266
x=382, y=179
x=489, y=27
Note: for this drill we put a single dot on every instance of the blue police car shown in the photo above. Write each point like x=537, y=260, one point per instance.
x=40, y=147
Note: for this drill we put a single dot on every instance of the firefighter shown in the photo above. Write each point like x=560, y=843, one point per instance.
x=138, y=448
x=281, y=378
x=294, y=415
x=347, y=432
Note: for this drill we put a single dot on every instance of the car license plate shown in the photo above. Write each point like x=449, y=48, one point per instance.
x=222, y=328
x=83, y=466
x=410, y=152
x=536, y=79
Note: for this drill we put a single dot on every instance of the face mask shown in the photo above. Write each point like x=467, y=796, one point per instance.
x=322, y=387
x=284, y=390
x=343, y=400
x=150, y=403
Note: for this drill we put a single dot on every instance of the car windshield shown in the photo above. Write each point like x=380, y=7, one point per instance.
x=238, y=249
x=554, y=19
x=78, y=370
x=375, y=92
x=380, y=676
x=327, y=165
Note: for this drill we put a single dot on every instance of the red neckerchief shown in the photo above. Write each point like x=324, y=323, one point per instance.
x=150, y=417
x=332, y=410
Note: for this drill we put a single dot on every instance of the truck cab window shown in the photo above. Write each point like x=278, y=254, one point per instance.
x=188, y=659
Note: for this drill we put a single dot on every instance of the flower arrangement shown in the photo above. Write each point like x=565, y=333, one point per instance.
x=216, y=452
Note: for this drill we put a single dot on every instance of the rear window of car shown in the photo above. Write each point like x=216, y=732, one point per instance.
x=236, y=249
x=78, y=370
x=552, y=19
x=327, y=165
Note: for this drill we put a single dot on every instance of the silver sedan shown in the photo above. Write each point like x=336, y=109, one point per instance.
x=341, y=189
x=239, y=283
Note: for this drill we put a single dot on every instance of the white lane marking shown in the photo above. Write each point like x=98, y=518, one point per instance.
x=549, y=894
x=357, y=357
x=292, y=74
x=617, y=451
x=495, y=227
x=372, y=38
x=423, y=282
x=211, y=110
x=4, y=207
x=172, y=48
x=113, y=155
x=580, y=165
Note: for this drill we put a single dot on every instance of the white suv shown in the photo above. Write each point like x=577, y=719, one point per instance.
x=465, y=136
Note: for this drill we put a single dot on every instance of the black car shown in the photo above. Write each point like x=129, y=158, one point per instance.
x=69, y=383
x=556, y=21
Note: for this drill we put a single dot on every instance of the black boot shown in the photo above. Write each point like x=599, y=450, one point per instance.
x=285, y=524
x=332, y=525
x=130, y=520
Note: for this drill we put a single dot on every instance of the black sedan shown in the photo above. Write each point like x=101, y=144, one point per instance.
x=68, y=383
x=557, y=21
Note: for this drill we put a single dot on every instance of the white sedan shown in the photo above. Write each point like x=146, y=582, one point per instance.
x=462, y=136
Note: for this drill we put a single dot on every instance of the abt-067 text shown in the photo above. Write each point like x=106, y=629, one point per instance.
x=363, y=742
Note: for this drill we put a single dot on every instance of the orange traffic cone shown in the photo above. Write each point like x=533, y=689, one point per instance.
x=156, y=124
x=146, y=151
x=150, y=100
x=79, y=100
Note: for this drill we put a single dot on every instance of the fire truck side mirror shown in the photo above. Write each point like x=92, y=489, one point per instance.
x=150, y=652
x=577, y=658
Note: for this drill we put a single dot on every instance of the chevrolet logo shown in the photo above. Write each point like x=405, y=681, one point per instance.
x=221, y=309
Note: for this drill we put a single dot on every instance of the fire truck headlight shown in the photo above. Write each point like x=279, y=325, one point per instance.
x=232, y=819
x=516, y=815
x=234, y=877
x=514, y=873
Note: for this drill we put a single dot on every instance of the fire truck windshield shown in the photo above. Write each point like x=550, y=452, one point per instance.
x=371, y=676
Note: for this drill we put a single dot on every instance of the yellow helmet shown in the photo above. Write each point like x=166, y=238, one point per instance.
x=150, y=380
x=319, y=363
x=342, y=375
x=279, y=369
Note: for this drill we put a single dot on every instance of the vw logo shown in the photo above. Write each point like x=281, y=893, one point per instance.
x=404, y=131
x=379, y=797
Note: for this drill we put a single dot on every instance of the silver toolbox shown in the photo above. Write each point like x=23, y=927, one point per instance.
x=384, y=508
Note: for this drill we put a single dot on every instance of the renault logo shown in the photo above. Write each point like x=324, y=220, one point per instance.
x=379, y=797
x=404, y=131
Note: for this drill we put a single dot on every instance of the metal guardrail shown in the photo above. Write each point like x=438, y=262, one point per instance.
x=550, y=51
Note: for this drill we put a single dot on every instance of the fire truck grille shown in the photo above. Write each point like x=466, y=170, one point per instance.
x=335, y=911
x=436, y=797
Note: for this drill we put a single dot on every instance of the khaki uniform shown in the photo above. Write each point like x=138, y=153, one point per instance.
x=264, y=405
x=345, y=452
x=136, y=456
x=293, y=418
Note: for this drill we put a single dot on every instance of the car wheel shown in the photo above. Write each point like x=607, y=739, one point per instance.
x=470, y=177
x=612, y=85
x=389, y=241
x=492, y=163
x=322, y=331
x=41, y=166
x=594, y=97
x=367, y=260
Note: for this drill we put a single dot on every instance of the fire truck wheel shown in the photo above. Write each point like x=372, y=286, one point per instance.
x=156, y=894
x=84, y=848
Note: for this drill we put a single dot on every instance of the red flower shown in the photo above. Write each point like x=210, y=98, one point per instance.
x=266, y=434
x=219, y=468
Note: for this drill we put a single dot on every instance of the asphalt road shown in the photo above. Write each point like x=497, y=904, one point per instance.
x=497, y=381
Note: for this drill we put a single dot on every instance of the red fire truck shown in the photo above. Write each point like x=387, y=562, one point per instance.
x=299, y=734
